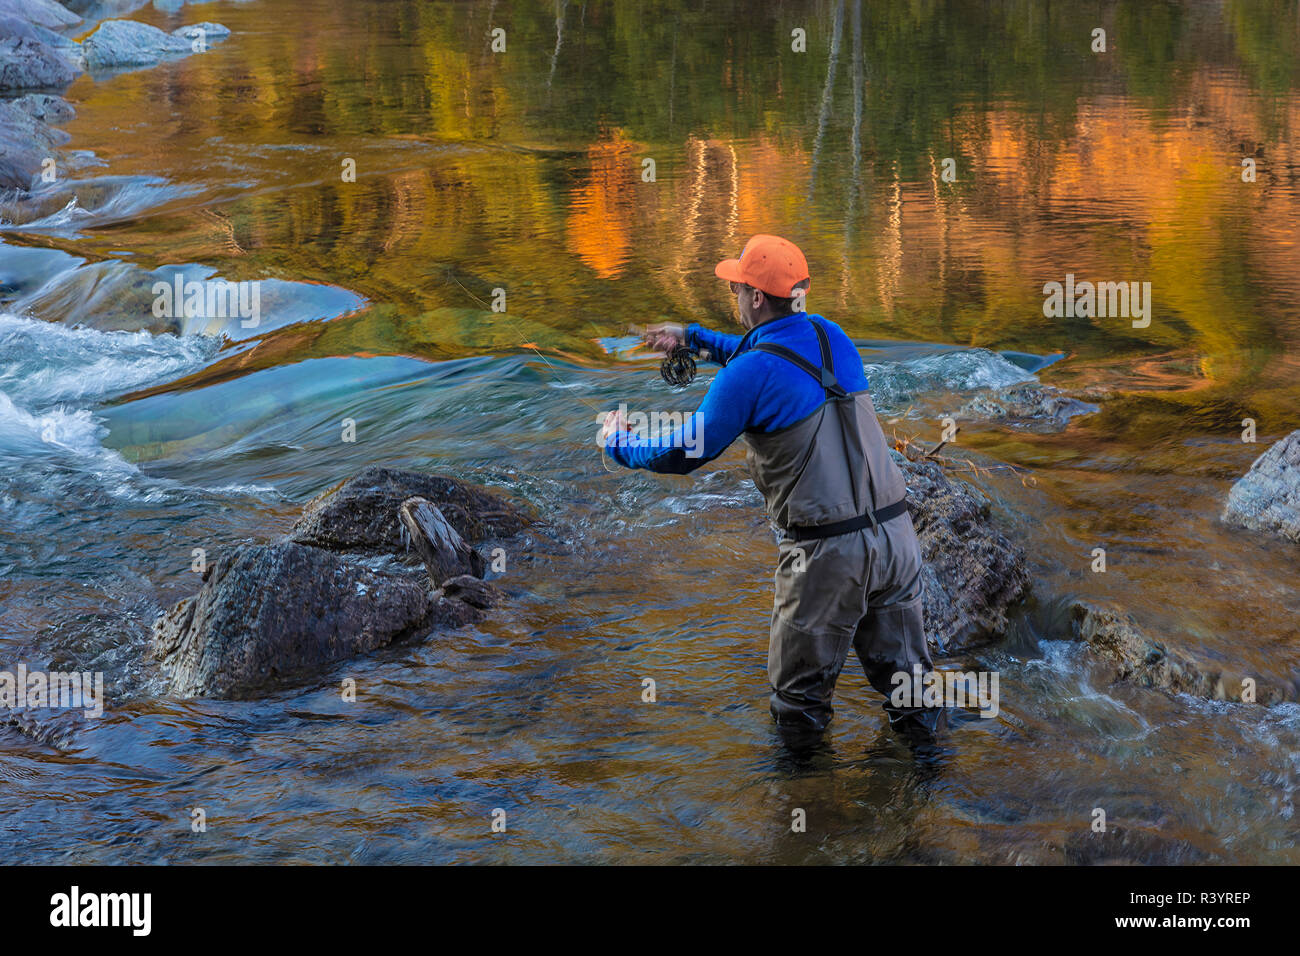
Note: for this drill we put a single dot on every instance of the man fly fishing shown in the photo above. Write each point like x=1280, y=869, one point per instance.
x=849, y=565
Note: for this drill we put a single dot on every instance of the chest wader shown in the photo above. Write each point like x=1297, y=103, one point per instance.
x=849, y=564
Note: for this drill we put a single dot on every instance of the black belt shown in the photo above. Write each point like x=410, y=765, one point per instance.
x=801, y=532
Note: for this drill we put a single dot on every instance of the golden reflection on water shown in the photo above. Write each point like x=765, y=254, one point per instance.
x=463, y=172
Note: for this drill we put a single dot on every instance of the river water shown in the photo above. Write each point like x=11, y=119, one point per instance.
x=525, y=170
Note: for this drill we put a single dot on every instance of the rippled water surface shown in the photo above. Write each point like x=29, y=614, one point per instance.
x=523, y=170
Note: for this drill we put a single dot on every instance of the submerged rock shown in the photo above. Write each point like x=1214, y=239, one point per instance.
x=1138, y=659
x=1029, y=405
x=206, y=30
x=45, y=108
x=973, y=573
x=1267, y=498
x=270, y=612
x=56, y=729
x=126, y=43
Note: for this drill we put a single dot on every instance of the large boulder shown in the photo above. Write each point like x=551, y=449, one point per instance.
x=362, y=513
x=973, y=573
x=271, y=612
x=20, y=159
x=1267, y=498
x=27, y=63
x=119, y=44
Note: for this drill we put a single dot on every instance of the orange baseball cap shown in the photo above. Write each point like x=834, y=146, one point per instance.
x=768, y=263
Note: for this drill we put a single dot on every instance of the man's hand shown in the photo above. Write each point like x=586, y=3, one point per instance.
x=664, y=337
x=614, y=423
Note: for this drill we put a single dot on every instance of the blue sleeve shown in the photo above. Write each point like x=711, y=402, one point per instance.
x=720, y=344
x=725, y=413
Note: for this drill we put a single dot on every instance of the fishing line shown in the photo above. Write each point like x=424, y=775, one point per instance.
x=538, y=352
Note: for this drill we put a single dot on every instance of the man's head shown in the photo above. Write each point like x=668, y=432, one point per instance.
x=768, y=279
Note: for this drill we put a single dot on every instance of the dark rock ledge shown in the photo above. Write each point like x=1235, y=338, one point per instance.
x=384, y=557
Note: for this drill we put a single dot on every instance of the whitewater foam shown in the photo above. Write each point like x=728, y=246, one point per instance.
x=48, y=362
x=51, y=373
x=894, y=384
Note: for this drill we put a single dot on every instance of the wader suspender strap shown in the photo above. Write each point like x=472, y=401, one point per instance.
x=824, y=375
x=826, y=378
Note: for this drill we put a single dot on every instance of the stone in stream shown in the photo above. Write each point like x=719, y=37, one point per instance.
x=1116, y=639
x=43, y=13
x=362, y=513
x=443, y=551
x=29, y=62
x=271, y=612
x=25, y=144
x=127, y=43
x=277, y=611
x=473, y=591
x=972, y=573
x=1267, y=497
x=44, y=107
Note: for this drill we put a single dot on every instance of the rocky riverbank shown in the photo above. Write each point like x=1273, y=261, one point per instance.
x=347, y=579
x=39, y=59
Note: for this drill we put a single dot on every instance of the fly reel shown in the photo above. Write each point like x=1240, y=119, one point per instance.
x=678, y=367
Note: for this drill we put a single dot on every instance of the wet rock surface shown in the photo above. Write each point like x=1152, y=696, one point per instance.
x=1116, y=639
x=25, y=144
x=362, y=513
x=35, y=58
x=127, y=43
x=1267, y=498
x=45, y=108
x=267, y=613
x=973, y=573
x=1030, y=406
x=44, y=13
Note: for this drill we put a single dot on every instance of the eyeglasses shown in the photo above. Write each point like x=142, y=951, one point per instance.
x=736, y=287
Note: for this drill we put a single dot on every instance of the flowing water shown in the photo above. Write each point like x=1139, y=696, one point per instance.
x=128, y=440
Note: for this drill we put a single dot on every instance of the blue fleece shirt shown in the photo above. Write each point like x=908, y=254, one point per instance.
x=754, y=391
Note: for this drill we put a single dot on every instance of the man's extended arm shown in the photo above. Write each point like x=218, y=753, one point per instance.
x=726, y=411
x=720, y=345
